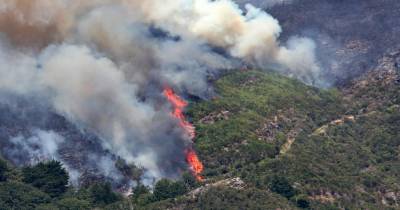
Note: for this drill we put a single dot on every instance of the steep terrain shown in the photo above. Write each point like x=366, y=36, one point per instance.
x=32, y=132
x=266, y=141
x=335, y=149
x=270, y=142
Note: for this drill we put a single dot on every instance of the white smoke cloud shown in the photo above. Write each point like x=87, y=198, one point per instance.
x=300, y=55
x=41, y=146
x=18, y=73
x=251, y=35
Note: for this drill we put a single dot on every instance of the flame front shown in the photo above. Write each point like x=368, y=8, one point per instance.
x=191, y=157
x=179, y=104
x=195, y=164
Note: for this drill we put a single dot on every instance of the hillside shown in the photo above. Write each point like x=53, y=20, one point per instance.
x=270, y=142
x=337, y=149
x=351, y=35
x=199, y=104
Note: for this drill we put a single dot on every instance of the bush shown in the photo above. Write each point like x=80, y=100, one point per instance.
x=165, y=189
x=221, y=198
x=102, y=194
x=189, y=180
x=14, y=195
x=280, y=185
x=301, y=201
x=139, y=190
x=73, y=204
x=120, y=205
x=3, y=170
x=47, y=206
x=49, y=177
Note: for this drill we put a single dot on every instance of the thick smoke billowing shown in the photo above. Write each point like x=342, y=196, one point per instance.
x=102, y=65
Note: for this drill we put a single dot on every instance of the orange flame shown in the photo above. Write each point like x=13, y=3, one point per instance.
x=174, y=99
x=191, y=157
x=179, y=104
x=195, y=164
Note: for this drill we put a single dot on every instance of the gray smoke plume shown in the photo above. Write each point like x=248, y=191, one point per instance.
x=39, y=146
x=102, y=65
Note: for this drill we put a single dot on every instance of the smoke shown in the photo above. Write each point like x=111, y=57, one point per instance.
x=36, y=147
x=102, y=65
x=265, y=3
x=40, y=146
x=18, y=73
x=251, y=35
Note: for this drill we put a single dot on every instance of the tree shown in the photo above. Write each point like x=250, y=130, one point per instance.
x=73, y=204
x=47, y=206
x=165, y=189
x=49, y=177
x=301, y=201
x=280, y=185
x=189, y=180
x=3, y=170
x=139, y=190
x=141, y=195
x=14, y=195
x=102, y=194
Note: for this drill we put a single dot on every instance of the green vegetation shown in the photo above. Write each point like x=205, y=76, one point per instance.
x=101, y=194
x=350, y=163
x=49, y=177
x=285, y=145
x=227, y=198
x=14, y=195
x=165, y=189
x=281, y=185
x=3, y=170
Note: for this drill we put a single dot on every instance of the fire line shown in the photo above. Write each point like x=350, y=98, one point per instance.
x=179, y=104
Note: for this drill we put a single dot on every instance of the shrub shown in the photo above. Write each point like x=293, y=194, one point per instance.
x=73, y=204
x=14, y=195
x=168, y=189
x=102, y=194
x=280, y=185
x=3, y=170
x=49, y=177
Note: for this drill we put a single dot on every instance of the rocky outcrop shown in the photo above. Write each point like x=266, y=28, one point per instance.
x=235, y=183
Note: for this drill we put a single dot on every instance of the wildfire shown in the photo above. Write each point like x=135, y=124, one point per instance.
x=191, y=157
x=179, y=104
x=195, y=164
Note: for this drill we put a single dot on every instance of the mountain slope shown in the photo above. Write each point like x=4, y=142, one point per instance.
x=321, y=149
x=339, y=148
x=351, y=35
x=271, y=142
